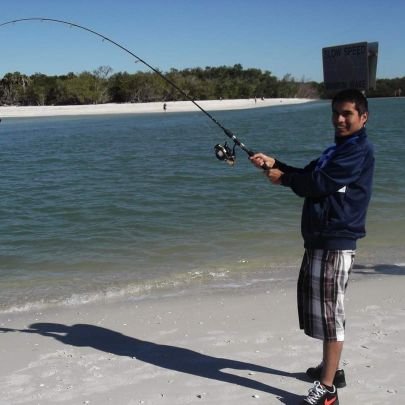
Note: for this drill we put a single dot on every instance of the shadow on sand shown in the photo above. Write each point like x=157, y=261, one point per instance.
x=388, y=269
x=169, y=357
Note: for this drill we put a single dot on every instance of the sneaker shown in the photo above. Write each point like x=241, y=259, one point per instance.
x=315, y=374
x=319, y=395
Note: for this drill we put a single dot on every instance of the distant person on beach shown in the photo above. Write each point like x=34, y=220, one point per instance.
x=164, y=106
x=336, y=189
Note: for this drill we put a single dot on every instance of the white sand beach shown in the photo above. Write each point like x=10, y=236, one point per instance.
x=142, y=108
x=239, y=346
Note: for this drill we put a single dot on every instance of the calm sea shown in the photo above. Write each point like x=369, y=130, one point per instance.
x=95, y=208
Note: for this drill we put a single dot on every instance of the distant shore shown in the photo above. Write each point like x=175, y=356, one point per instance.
x=143, y=108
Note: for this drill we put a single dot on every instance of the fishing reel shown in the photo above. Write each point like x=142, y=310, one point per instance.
x=225, y=153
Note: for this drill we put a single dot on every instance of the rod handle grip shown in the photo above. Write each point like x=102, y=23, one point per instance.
x=263, y=166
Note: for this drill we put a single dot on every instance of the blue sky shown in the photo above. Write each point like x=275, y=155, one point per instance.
x=284, y=37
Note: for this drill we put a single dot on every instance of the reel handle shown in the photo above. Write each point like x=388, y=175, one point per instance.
x=226, y=154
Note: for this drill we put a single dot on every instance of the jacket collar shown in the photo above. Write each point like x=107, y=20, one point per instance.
x=339, y=140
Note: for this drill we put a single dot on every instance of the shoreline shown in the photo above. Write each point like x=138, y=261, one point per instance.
x=143, y=108
x=223, y=347
x=174, y=286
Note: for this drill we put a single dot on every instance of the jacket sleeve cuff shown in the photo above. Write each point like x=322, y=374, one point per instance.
x=286, y=179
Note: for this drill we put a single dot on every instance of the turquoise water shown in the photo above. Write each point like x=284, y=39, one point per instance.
x=99, y=207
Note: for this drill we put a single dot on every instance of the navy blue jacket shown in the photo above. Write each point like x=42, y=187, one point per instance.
x=337, y=191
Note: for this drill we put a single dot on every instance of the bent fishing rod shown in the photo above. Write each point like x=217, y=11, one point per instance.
x=222, y=152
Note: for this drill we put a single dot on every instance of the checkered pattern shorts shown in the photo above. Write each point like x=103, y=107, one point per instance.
x=321, y=290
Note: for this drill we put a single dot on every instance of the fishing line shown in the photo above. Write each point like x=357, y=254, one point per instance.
x=222, y=152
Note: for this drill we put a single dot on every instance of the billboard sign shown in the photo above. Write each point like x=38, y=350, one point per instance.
x=350, y=66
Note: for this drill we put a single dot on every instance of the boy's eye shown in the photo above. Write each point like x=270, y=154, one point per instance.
x=343, y=114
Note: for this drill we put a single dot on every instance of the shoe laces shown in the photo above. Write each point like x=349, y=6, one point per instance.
x=315, y=393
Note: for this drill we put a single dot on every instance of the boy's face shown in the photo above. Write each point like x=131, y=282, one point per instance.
x=346, y=119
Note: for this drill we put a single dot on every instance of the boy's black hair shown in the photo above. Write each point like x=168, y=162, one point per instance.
x=354, y=96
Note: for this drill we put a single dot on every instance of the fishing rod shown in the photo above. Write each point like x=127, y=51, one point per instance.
x=222, y=151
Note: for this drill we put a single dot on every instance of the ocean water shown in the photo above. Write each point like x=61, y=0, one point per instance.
x=124, y=206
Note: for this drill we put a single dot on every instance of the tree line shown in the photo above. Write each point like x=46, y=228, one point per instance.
x=103, y=86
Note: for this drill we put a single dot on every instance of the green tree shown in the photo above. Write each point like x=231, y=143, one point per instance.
x=14, y=87
x=101, y=83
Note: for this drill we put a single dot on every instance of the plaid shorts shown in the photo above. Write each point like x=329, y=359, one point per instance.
x=321, y=290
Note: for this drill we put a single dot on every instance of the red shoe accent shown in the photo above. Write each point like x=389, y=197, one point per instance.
x=330, y=401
